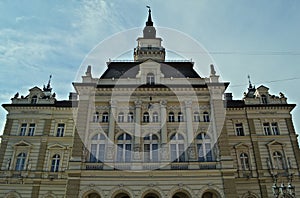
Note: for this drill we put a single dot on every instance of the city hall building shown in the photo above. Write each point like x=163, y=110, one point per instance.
x=149, y=128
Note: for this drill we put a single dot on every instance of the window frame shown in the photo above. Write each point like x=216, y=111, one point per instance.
x=55, y=163
x=177, y=148
x=105, y=117
x=239, y=129
x=153, y=145
x=206, y=117
x=204, y=147
x=60, y=129
x=150, y=79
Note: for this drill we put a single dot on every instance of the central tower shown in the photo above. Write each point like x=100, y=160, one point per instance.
x=149, y=46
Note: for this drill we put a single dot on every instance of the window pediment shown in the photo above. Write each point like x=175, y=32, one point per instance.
x=241, y=146
x=22, y=143
x=275, y=143
x=56, y=146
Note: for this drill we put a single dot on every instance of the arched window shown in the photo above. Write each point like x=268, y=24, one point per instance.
x=122, y=195
x=97, y=152
x=244, y=160
x=180, y=117
x=196, y=117
x=151, y=195
x=96, y=117
x=93, y=195
x=124, y=142
x=105, y=117
x=150, y=79
x=180, y=195
x=206, y=117
x=155, y=117
x=264, y=99
x=209, y=195
x=121, y=117
x=20, y=164
x=34, y=99
x=177, y=148
x=204, y=149
x=130, y=117
x=146, y=117
x=151, y=148
x=55, y=163
x=278, y=160
x=171, y=117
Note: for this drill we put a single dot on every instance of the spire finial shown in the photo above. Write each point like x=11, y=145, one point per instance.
x=149, y=22
x=249, y=79
x=49, y=82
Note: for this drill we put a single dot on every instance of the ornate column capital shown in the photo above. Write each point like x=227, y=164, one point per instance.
x=163, y=102
x=188, y=103
x=138, y=103
x=113, y=103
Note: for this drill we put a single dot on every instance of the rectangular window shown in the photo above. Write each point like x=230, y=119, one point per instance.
x=23, y=129
x=208, y=152
x=128, y=153
x=120, y=153
x=31, y=129
x=267, y=129
x=239, y=129
x=173, y=153
x=200, y=153
x=181, y=153
x=93, y=153
x=151, y=152
x=155, y=152
x=60, y=130
x=275, y=129
x=101, y=154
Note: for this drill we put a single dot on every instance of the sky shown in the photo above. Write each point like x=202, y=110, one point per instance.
x=256, y=38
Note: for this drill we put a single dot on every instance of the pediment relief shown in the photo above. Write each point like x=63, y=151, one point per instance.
x=56, y=146
x=22, y=143
x=241, y=146
x=275, y=143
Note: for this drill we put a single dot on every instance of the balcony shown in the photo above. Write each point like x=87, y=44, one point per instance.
x=94, y=166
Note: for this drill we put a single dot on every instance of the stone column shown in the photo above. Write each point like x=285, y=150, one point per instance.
x=164, y=133
x=137, y=130
x=189, y=130
x=163, y=122
x=112, y=123
x=111, y=131
x=189, y=121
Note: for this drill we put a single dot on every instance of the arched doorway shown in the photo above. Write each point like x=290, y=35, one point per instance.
x=151, y=195
x=180, y=195
x=122, y=195
x=93, y=195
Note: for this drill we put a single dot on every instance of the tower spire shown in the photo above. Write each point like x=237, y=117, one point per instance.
x=149, y=22
x=250, y=84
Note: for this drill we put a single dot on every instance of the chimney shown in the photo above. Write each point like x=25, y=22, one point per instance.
x=73, y=96
x=228, y=96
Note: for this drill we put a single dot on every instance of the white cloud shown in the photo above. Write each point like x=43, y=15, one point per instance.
x=23, y=18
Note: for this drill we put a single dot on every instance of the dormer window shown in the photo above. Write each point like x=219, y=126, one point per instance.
x=264, y=99
x=150, y=79
x=34, y=99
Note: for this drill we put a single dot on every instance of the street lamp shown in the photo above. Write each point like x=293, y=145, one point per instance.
x=282, y=190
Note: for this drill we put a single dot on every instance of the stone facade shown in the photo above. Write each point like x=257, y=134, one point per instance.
x=155, y=129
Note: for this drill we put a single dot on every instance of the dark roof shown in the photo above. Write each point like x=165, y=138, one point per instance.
x=152, y=86
x=130, y=70
x=121, y=70
x=62, y=103
x=241, y=104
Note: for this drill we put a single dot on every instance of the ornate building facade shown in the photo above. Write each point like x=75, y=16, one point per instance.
x=149, y=128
